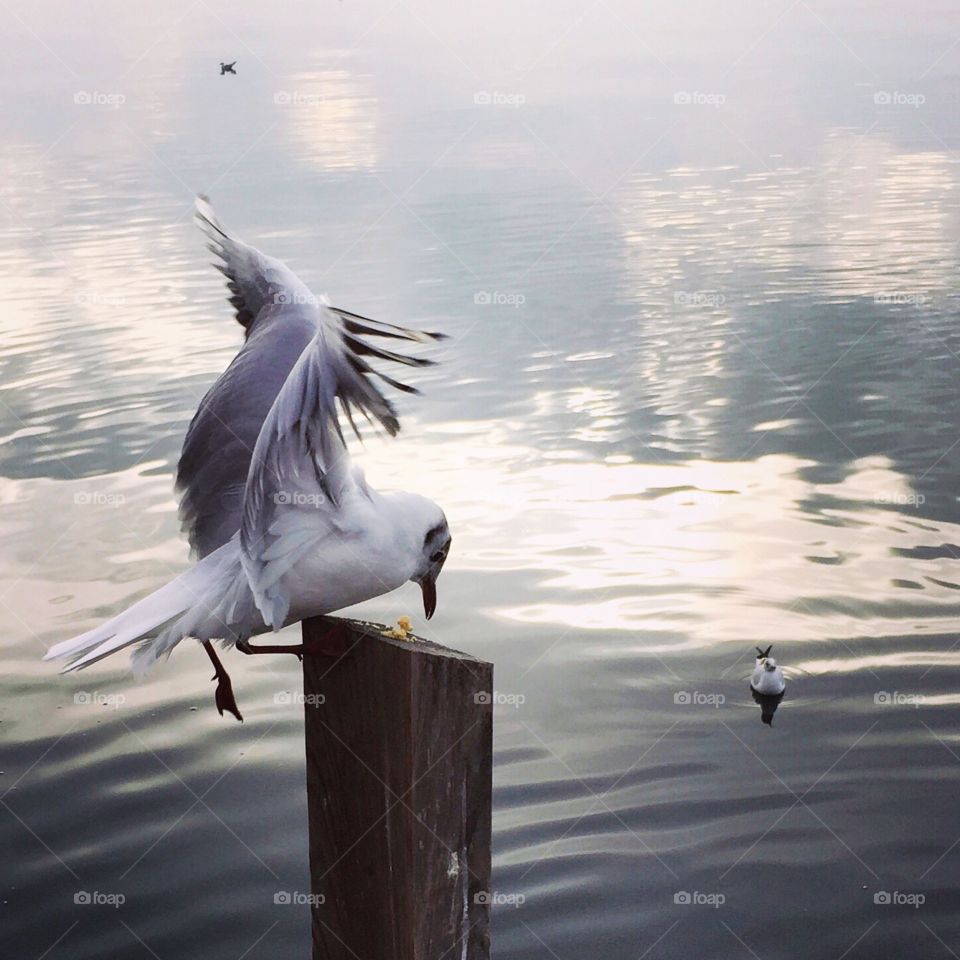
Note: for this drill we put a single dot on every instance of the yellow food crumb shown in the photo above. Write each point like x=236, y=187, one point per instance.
x=402, y=631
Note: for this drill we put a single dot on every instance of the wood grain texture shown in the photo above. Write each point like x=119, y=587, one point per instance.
x=399, y=739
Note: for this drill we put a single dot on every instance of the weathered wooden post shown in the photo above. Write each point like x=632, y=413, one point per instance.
x=399, y=737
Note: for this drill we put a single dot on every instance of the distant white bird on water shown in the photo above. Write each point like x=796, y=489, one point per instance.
x=283, y=524
x=767, y=678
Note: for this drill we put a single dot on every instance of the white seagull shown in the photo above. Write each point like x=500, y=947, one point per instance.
x=767, y=677
x=282, y=523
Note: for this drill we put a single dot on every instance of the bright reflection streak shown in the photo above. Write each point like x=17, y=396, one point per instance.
x=702, y=552
x=333, y=116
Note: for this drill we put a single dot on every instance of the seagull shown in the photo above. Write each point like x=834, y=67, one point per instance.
x=282, y=522
x=767, y=677
x=228, y=68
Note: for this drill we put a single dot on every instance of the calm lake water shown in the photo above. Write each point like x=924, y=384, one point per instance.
x=699, y=269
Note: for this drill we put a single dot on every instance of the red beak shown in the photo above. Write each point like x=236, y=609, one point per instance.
x=429, y=589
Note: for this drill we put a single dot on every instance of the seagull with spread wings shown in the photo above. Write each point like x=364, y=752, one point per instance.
x=282, y=522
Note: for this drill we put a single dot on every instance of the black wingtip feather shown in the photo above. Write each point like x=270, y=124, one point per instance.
x=353, y=424
x=201, y=217
x=364, y=349
x=397, y=385
x=356, y=323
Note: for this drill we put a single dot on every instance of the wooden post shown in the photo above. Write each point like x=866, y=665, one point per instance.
x=399, y=737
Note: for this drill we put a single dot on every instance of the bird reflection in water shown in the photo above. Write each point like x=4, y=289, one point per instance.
x=768, y=705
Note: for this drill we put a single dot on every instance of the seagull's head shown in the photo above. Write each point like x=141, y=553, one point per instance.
x=436, y=546
x=769, y=664
x=422, y=528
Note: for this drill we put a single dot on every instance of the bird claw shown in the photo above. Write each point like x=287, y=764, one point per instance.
x=225, y=699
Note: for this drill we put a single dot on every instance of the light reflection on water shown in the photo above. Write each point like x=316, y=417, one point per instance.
x=711, y=405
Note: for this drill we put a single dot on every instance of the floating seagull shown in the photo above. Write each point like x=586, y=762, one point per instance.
x=767, y=677
x=228, y=68
x=282, y=522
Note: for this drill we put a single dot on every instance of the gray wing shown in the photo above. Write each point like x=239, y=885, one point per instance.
x=216, y=453
x=281, y=318
x=301, y=458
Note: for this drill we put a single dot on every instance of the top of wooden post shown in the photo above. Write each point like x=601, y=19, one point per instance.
x=380, y=632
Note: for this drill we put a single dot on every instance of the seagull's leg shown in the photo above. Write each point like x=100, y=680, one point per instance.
x=334, y=643
x=245, y=646
x=224, y=695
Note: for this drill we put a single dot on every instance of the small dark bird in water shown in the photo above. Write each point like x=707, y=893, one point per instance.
x=767, y=685
x=228, y=68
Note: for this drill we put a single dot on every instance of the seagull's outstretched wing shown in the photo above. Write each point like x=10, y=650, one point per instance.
x=301, y=475
x=282, y=319
x=254, y=280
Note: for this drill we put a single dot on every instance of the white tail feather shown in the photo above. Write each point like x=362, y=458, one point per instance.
x=190, y=600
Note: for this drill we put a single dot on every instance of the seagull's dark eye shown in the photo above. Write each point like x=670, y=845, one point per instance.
x=436, y=557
